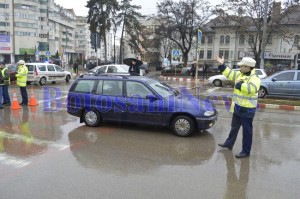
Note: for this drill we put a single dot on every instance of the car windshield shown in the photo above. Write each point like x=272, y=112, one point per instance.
x=163, y=89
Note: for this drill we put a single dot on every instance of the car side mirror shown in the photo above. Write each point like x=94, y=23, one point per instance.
x=151, y=97
x=274, y=79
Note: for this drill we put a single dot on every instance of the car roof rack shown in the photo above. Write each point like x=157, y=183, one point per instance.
x=124, y=76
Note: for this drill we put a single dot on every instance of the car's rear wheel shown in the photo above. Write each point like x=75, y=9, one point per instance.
x=183, y=126
x=217, y=83
x=262, y=92
x=43, y=81
x=68, y=77
x=92, y=118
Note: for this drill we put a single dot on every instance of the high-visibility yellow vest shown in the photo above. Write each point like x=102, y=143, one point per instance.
x=22, y=75
x=248, y=95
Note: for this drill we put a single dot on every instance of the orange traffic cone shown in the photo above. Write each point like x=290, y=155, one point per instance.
x=15, y=104
x=32, y=100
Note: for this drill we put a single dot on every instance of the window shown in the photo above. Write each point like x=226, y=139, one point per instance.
x=258, y=72
x=58, y=69
x=227, y=40
x=209, y=39
x=4, y=24
x=298, y=78
x=296, y=40
x=113, y=88
x=251, y=39
x=2, y=5
x=112, y=69
x=226, y=54
x=50, y=68
x=203, y=39
x=242, y=39
x=102, y=69
x=221, y=53
x=42, y=67
x=84, y=86
x=269, y=41
x=201, y=55
x=222, y=39
x=288, y=76
x=209, y=54
x=137, y=89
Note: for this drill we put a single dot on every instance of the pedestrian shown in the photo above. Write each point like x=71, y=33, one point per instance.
x=75, y=68
x=6, y=78
x=21, y=75
x=205, y=70
x=133, y=68
x=244, y=102
x=193, y=69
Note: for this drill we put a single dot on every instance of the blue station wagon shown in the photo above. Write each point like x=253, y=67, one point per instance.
x=138, y=100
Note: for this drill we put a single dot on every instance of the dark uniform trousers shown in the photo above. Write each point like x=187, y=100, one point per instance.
x=236, y=123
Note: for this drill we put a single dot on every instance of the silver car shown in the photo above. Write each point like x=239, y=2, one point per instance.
x=221, y=80
x=114, y=68
x=283, y=83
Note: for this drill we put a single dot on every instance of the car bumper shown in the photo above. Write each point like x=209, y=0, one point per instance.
x=206, y=123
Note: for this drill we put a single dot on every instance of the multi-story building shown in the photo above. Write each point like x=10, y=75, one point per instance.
x=223, y=40
x=82, y=39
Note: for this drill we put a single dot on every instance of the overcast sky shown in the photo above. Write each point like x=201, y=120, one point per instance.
x=148, y=6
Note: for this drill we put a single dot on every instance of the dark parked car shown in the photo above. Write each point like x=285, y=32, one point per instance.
x=284, y=83
x=138, y=100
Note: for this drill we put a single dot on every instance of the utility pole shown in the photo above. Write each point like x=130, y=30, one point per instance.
x=264, y=39
x=67, y=60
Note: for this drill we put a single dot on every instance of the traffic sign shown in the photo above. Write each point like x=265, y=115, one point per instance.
x=48, y=53
x=175, y=53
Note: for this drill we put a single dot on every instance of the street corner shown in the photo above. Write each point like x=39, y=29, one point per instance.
x=279, y=107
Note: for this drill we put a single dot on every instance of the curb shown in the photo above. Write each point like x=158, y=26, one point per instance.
x=264, y=106
x=181, y=79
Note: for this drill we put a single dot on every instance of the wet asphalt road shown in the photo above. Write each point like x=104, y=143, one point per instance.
x=51, y=155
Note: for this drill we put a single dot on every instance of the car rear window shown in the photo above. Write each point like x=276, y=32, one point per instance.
x=30, y=67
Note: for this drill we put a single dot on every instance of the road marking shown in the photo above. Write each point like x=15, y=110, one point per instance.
x=15, y=162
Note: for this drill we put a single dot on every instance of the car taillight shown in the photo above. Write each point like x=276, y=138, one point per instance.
x=35, y=72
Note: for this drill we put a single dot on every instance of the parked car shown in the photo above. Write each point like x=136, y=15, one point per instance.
x=114, y=68
x=12, y=69
x=283, y=83
x=137, y=100
x=44, y=72
x=221, y=80
x=172, y=70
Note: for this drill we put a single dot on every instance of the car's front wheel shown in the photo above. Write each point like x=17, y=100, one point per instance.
x=92, y=118
x=183, y=126
x=43, y=81
x=262, y=92
x=217, y=83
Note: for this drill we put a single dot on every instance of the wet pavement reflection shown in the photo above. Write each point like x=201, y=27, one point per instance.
x=51, y=155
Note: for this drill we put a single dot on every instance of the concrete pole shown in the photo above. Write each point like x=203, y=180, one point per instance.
x=264, y=39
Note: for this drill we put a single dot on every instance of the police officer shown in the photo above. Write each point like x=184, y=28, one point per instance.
x=22, y=80
x=6, y=78
x=244, y=102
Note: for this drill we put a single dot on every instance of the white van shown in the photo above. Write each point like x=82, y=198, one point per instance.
x=44, y=72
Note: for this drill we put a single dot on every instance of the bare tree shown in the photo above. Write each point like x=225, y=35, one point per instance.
x=180, y=20
x=129, y=18
x=246, y=17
